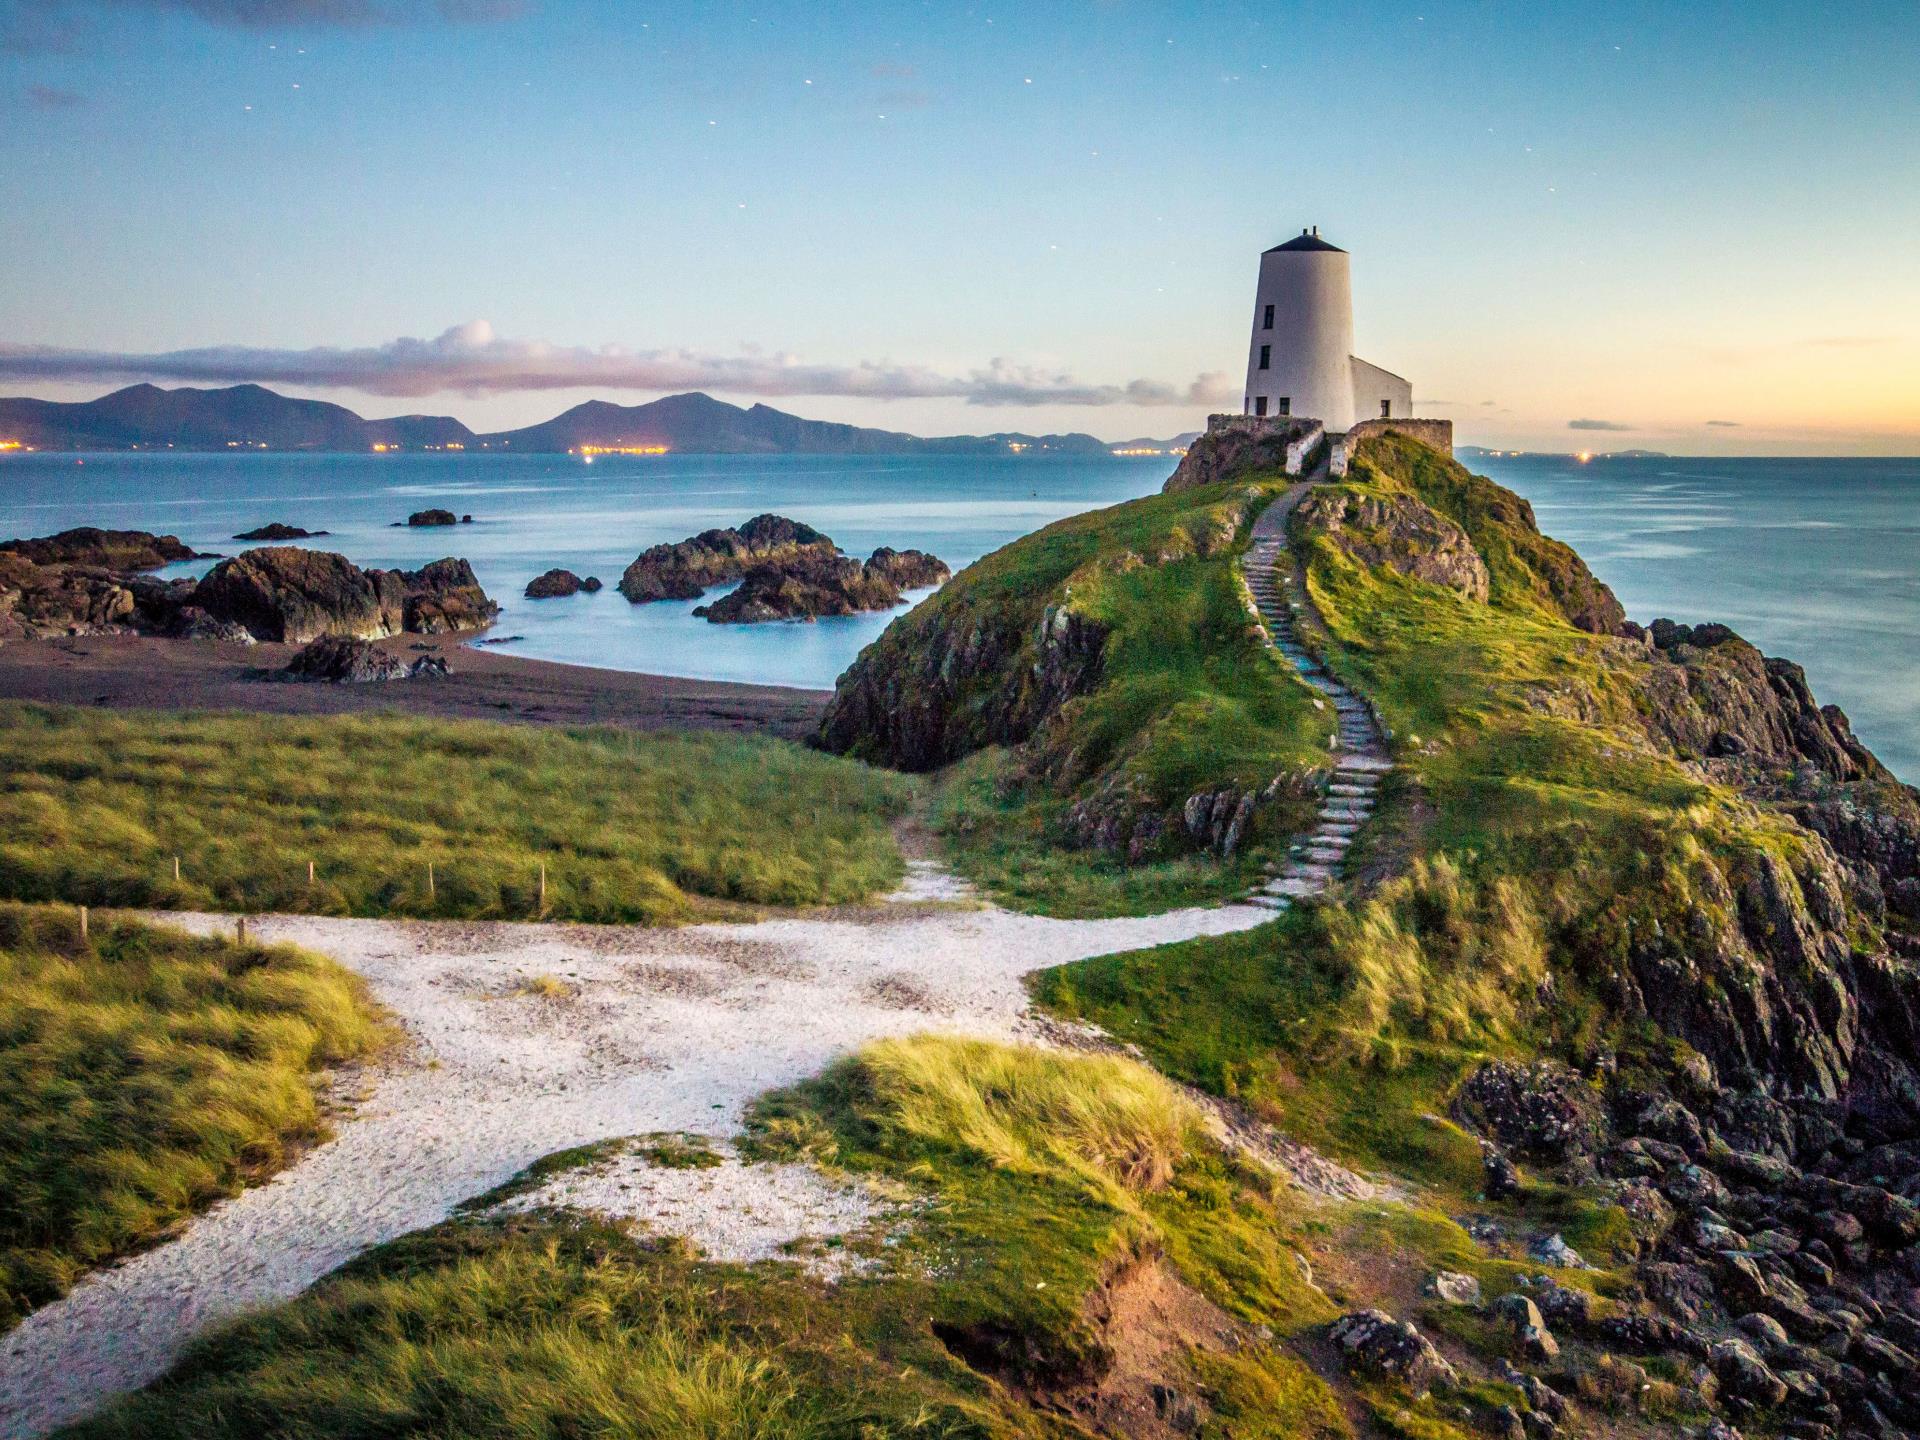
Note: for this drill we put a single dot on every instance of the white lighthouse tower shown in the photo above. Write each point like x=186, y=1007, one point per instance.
x=1300, y=360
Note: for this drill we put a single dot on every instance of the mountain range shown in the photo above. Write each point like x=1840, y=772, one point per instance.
x=251, y=417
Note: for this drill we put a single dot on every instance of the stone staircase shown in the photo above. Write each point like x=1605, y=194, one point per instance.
x=1360, y=754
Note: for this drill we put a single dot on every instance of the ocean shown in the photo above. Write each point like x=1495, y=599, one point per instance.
x=1817, y=560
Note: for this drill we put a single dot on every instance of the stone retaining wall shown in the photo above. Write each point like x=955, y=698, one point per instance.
x=1437, y=433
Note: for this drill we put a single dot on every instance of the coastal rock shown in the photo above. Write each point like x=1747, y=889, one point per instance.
x=277, y=532
x=803, y=586
x=38, y=601
x=1373, y=1343
x=554, y=584
x=343, y=660
x=908, y=569
x=105, y=549
x=1230, y=454
x=190, y=622
x=295, y=595
x=684, y=570
x=443, y=598
x=433, y=517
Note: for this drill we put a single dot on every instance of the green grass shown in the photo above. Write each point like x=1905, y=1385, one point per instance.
x=650, y=828
x=1541, y=829
x=1189, y=702
x=146, y=1074
x=1031, y=1177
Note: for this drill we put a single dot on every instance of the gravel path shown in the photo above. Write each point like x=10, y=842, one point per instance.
x=651, y=1030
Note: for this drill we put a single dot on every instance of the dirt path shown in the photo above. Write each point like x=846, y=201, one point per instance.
x=652, y=1031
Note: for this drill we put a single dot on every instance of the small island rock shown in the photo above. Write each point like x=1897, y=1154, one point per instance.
x=277, y=531
x=108, y=549
x=433, y=517
x=556, y=583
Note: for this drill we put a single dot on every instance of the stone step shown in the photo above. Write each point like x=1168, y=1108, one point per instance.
x=1293, y=888
x=1275, y=903
x=1363, y=783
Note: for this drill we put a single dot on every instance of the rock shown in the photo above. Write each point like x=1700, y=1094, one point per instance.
x=803, y=586
x=684, y=570
x=433, y=517
x=1399, y=533
x=343, y=660
x=556, y=583
x=1529, y=1327
x=105, y=549
x=193, y=623
x=1562, y=1304
x=1763, y=1330
x=1499, y=1176
x=1453, y=1287
x=1554, y=1250
x=47, y=600
x=1221, y=455
x=1745, y=1375
x=294, y=595
x=277, y=531
x=908, y=569
x=1545, y=1111
x=1372, y=1342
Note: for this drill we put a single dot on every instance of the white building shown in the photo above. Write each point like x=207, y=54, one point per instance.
x=1301, y=360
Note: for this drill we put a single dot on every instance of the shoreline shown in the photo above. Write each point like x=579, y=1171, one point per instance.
x=146, y=672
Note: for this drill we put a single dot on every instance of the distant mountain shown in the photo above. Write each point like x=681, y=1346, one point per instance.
x=250, y=417
x=699, y=424
x=241, y=417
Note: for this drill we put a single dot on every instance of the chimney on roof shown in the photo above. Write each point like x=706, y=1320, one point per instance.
x=1316, y=232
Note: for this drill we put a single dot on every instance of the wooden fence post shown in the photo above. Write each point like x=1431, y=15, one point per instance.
x=240, y=930
x=176, y=869
x=83, y=923
x=543, y=887
x=309, y=874
x=429, y=879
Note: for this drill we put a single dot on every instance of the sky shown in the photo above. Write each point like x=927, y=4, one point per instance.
x=1693, y=228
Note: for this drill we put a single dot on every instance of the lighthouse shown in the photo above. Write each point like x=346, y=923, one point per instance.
x=1300, y=360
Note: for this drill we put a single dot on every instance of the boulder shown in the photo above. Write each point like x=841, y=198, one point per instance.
x=1452, y=1287
x=557, y=583
x=908, y=569
x=38, y=601
x=276, y=531
x=1545, y=1111
x=1744, y=1375
x=343, y=660
x=1529, y=1327
x=684, y=570
x=294, y=595
x=1372, y=1342
x=433, y=517
x=1399, y=533
x=190, y=622
x=443, y=598
x=1554, y=1250
x=107, y=549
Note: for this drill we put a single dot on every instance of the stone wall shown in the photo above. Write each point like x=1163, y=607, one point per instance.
x=1242, y=444
x=1437, y=433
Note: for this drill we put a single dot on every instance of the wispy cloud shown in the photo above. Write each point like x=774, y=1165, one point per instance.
x=30, y=26
x=1725, y=424
x=473, y=360
x=1597, y=425
x=47, y=97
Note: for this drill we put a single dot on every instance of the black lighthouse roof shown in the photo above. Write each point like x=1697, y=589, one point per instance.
x=1307, y=240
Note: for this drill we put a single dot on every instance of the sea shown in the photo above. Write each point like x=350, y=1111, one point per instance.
x=1817, y=560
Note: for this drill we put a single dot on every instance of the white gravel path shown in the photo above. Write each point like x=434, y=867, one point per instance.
x=658, y=1030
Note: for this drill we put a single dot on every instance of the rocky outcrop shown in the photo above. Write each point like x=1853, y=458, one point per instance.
x=1397, y=533
x=277, y=532
x=103, y=549
x=1543, y=1111
x=684, y=570
x=1235, y=453
x=294, y=595
x=342, y=660
x=433, y=517
x=442, y=598
x=908, y=569
x=964, y=679
x=1372, y=1344
x=37, y=601
x=556, y=584
x=809, y=583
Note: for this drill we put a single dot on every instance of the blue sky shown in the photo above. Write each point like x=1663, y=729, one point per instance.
x=1649, y=217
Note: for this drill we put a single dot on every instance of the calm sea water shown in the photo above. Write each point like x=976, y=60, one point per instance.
x=1818, y=560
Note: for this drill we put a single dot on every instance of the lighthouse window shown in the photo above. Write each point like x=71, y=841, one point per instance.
x=1266, y=356
x=1286, y=404
x=1259, y=404
x=1266, y=322
x=1386, y=409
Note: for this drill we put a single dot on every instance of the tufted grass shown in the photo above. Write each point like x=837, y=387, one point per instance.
x=147, y=1073
x=648, y=828
x=1027, y=1180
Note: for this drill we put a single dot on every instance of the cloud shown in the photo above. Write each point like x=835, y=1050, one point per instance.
x=1725, y=424
x=1597, y=425
x=473, y=360
x=46, y=97
x=29, y=26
